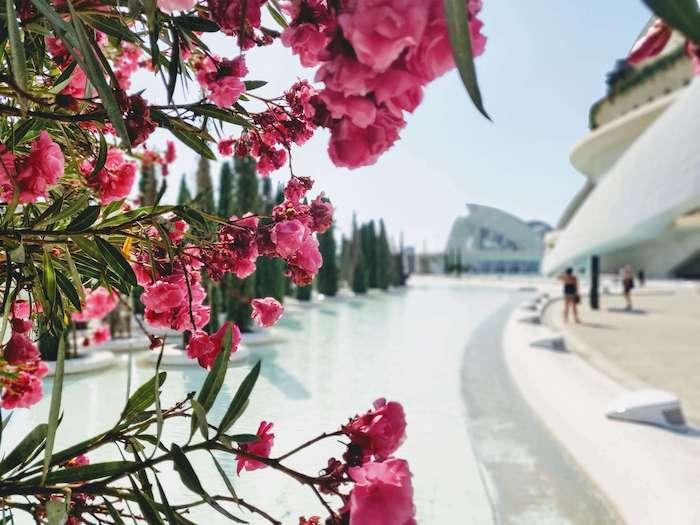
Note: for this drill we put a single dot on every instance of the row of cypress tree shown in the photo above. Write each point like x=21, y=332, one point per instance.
x=367, y=260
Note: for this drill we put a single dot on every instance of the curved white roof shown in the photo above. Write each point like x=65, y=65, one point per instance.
x=655, y=181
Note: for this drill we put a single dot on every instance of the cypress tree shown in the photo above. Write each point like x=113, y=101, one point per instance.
x=383, y=259
x=184, y=196
x=226, y=189
x=147, y=185
x=241, y=291
x=399, y=272
x=328, y=273
x=369, y=249
x=359, y=274
x=304, y=292
x=270, y=280
x=205, y=190
x=345, y=260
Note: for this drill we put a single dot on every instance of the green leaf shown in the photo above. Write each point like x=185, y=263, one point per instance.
x=84, y=219
x=167, y=509
x=174, y=64
x=111, y=26
x=106, y=469
x=250, y=85
x=195, y=23
x=101, y=156
x=95, y=74
x=88, y=247
x=245, y=438
x=113, y=512
x=147, y=506
x=682, y=15
x=18, y=132
x=224, y=476
x=49, y=277
x=66, y=286
x=55, y=408
x=458, y=27
x=224, y=115
x=184, y=469
x=49, y=212
x=72, y=208
x=277, y=16
x=200, y=418
x=19, y=60
x=116, y=261
x=143, y=398
x=215, y=377
x=26, y=448
x=136, y=214
x=112, y=207
x=240, y=399
x=191, y=217
x=194, y=142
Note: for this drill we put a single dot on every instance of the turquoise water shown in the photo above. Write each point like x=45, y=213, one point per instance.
x=336, y=359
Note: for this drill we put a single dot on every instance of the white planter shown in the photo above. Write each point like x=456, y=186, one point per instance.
x=87, y=362
x=173, y=356
x=134, y=343
x=265, y=336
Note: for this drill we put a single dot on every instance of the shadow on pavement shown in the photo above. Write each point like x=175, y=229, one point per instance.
x=555, y=344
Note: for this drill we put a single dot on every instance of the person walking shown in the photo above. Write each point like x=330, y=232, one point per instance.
x=627, y=285
x=571, y=295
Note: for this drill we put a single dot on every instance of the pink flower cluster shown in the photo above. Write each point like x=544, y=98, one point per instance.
x=262, y=447
x=289, y=236
x=21, y=367
x=205, y=348
x=291, y=121
x=30, y=175
x=126, y=63
x=379, y=432
x=174, y=301
x=98, y=303
x=221, y=78
x=375, y=56
x=229, y=15
x=114, y=181
x=267, y=311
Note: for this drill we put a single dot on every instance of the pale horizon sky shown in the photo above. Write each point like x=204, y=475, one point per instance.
x=544, y=66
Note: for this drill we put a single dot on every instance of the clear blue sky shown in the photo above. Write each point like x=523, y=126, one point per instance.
x=544, y=66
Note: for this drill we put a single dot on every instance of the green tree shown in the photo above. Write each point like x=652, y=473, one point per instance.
x=345, y=260
x=399, y=271
x=383, y=259
x=328, y=276
x=270, y=280
x=205, y=189
x=148, y=185
x=368, y=236
x=304, y=292
x=241, y=291
x=359, y=274
x=184, y=196
x=226, y=191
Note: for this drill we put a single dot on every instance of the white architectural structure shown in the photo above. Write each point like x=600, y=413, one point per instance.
x=489, y=240
x=640, y=204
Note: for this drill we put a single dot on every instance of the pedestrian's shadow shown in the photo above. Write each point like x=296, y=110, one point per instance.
x=600, y=326
x=554, y=344
x=278, y=376
x=633, y=311
x=535, y=319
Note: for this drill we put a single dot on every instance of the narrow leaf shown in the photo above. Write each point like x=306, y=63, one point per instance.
x=84, y=219
x=239, y=401
x=19, y=60
x=184, y=469
x=90, y=472
x=682, y=15
x=68, y=290
x=26, y=448
x=116, y=261
x=55, y=408
x=143, y=398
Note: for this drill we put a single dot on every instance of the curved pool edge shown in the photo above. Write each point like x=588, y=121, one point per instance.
x=645, y=472
x=529, y=476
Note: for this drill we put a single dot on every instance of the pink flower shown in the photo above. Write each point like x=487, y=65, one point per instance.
x=21, y=326
x=221, y=79
x=287, y=237
x=114, y=181
x=380, y=431
x=262, y=447
x=33, y=174
x=176, y=5
x=80, y=460
x=101, y=334
x=651, y=44
x=304, y=264
x=297, y=187
x=361, y=111
x=379, y=31
x=170, y=304
x=383, y=494
x=205, y=347
x=20, y=349
x=170, y=153
x=353, y=147
x=321, y=214
x=24, y=389
x=98, y=303
x=230, y=17
x=267, y=311
x=305, y=40
x=20, y=309
x=226, y=146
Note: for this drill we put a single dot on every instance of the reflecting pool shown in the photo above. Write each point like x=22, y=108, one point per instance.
x=336, y=359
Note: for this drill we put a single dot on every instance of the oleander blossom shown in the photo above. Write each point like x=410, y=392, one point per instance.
x=98, y=303
x=229, y=15
x=267, y=311
x=374, y=57
x=221, y=79
x=169, y=6
x=114, y=181
x=379, y=432
x=205, y=348
x=382, y=495
x=31, y=175
x=101, y=334
x=262, y=447
x=176, y=302
x=22, y=386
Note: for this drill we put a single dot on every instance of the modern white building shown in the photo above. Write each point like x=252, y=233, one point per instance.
x=489, y=240
x=640, y=204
